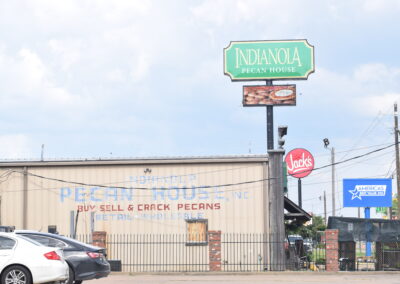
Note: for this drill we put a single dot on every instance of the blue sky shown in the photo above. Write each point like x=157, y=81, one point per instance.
x=129, y=78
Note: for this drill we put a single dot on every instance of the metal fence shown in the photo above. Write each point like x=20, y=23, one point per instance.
x=384, y=256
x=388, y=256
x=157, y=253
x=174, y=253
x=244, y=252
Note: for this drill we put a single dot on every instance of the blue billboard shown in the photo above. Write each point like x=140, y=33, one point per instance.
x=367, y=192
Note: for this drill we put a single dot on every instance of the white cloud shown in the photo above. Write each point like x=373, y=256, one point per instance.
x=162, y=60
x=140, y=68
x=380, y=7
x=66, y=52
x=376, y=72
x=116, y=75
x=122, y=10
x=15, y=146
x=27, y=81
x=32, y=68
x=368, y=90
x=380, y=102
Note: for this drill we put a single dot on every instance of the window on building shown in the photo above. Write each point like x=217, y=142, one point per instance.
x=197, y=231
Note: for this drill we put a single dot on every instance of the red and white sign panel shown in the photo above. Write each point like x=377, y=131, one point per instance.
x=300, y=163
x=278, y=95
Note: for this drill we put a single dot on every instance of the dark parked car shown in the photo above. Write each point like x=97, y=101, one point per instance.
x=293, y=238
x=85, y=261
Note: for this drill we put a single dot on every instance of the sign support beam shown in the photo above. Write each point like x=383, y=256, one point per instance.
x=270, y=123
x=299, y=193
x=367, y=214
x=276, y=211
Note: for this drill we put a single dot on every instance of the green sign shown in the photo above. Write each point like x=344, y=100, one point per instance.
x=268, y=60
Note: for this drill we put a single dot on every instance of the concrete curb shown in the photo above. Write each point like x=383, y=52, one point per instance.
x=267, y=273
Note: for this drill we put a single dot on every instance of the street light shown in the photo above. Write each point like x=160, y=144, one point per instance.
x=326, y=144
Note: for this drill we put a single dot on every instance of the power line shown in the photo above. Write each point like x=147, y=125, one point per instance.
x=341, y=168
x=375, y=122
x=192, y=187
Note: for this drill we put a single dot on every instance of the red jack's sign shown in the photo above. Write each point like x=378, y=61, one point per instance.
x=300, y=163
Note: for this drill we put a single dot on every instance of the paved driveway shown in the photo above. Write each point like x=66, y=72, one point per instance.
x=270, y=277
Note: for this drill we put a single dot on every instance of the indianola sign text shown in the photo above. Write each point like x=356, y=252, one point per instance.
x=268, y=60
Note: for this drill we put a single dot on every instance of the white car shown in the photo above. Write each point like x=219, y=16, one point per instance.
x=23, y=261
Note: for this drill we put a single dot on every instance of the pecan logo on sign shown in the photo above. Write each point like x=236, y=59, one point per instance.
x=300, y=163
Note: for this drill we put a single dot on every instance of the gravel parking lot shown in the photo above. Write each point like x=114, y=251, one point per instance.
x=285, y=277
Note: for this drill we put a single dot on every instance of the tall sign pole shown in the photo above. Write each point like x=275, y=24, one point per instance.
x=396, y=141
x=300, y=198
x=267, y=61
x=367, y=214
x=270, y=122
x=277, y=222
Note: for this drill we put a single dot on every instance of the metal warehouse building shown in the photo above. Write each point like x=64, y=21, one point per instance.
x=157, y=195
x=158, y=214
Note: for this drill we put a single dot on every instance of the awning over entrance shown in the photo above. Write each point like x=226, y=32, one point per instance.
x=294, y=212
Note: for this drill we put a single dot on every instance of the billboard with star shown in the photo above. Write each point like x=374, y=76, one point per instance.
x=367, y=192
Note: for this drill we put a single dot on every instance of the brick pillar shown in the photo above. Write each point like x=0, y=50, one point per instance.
x=99, y=238
x=214, y=250
x=332, y=250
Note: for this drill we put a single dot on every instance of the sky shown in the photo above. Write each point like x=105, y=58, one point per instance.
x=127, y=78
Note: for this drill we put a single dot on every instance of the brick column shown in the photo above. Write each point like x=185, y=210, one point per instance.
x=332, y=250
x=214, y=250
x=99, y=238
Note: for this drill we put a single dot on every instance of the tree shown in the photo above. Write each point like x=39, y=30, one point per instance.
x=385, y=210
x=306, y=231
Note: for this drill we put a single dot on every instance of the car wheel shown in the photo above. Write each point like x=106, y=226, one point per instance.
x=78, y=282
x=70, y=279
x=16, y=275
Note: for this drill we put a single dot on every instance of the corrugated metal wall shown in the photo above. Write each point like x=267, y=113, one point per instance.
x=136, y=198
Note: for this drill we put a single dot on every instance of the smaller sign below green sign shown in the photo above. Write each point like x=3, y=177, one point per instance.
x=276, y=95
x=268, y=60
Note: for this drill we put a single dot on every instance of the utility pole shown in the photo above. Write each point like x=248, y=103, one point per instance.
x=25, y=199
x=396, y=141
x=326, y=144
x=325, y=217
x=333, y=181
